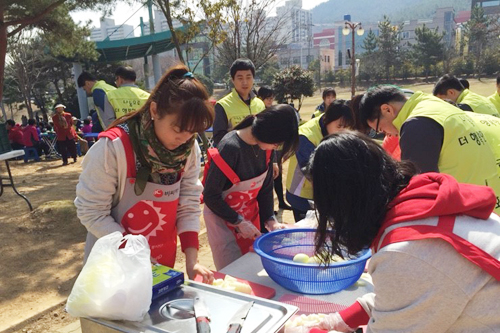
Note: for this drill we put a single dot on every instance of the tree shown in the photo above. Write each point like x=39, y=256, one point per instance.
x=476, y=32
x=370, y=62
x=45, y=15
x=24, y=68
x=208, y=23
x=293, y=83
x=251, y=34
x=428, y=49
x=267, y=71
x=388, y=43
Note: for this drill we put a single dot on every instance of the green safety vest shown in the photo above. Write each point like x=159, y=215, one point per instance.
x=478, y=103
x=495, y=100
x=101, y=84
x=127, y=99
x=237, y=110
x=468, y=151
x=317, y=113
x=296, y=182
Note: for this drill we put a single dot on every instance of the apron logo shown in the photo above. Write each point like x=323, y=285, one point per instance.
x=158, y=193
x=145, y=219
x=131, y=181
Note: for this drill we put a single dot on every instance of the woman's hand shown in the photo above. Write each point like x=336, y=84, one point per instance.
x=272, y=224
x=193, y=267
x=198, y=269
x=334, y=321
x=247, y=230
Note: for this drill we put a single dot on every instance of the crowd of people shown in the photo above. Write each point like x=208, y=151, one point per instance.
x=425, y=200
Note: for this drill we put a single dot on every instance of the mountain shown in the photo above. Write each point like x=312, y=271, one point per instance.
x=372, y=11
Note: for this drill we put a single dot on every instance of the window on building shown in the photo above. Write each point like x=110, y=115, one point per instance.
x=491, y=3
x=340, y=58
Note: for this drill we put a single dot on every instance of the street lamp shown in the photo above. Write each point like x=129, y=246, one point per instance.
x=348, y=28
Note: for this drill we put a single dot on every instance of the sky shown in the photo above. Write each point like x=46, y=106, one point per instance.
x=132, y=14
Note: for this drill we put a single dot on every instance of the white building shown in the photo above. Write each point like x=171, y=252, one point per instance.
x=108, y=29
x=297, y=23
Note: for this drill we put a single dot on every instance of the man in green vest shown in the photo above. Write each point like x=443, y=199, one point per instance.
x=449, y=87
x=239, y=103
x=128, y=97
x=98, y=90
x=435, y=135
x=495, y=98
x=299, y=190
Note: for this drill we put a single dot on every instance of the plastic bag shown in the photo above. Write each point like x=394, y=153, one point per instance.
x=115, y=283
x=310, y=221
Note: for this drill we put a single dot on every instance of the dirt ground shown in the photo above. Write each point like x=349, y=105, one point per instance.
x=41, y=250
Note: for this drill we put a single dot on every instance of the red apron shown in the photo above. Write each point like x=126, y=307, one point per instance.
x=153, y=213
x=242, y=196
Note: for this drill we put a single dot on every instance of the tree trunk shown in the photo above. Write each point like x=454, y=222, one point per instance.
x=168, y=16
x=58, y=91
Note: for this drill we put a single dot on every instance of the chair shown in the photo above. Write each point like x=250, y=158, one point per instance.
x=30, y=153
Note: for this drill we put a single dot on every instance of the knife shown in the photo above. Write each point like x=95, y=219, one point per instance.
x=236, y=322
x=202, y=316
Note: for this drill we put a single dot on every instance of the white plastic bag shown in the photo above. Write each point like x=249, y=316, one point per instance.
x=115, y=283
x=310, y=221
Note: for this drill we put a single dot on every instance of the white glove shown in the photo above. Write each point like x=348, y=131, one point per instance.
x=334, y=321
x=247, y=230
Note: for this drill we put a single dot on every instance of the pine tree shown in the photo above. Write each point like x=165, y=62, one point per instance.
x=428, y=49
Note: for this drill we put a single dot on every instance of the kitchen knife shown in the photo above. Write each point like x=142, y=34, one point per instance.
x=236, y=322
x=202, y=316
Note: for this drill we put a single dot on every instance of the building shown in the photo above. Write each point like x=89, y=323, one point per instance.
x=325, y=39
x=491, y=7
x=297, y=25
x=108, y=30
x=443, y=20
x=160, y=23
x=302, y=57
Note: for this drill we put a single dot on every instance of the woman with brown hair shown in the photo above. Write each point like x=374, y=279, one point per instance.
x=141, y=177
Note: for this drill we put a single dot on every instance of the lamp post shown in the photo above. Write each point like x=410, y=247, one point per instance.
x=350, y=27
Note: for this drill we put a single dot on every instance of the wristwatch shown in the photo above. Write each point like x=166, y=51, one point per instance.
x=239, y=220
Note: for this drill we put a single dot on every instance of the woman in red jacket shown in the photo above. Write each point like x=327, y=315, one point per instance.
x=63, y=125
x=435, y=242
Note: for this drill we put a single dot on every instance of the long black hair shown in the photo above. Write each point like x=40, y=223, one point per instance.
x=354, y=180
x=276, y=124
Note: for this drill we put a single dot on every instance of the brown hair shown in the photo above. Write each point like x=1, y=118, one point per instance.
x=179, y=93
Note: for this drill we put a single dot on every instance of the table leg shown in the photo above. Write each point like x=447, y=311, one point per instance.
x=13, y=186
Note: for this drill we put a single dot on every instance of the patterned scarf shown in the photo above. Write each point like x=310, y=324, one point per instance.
x=161, y=162
x=62, y=120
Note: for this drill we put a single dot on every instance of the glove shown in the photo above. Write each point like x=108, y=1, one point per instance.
x=247, y=230
x=334, y=321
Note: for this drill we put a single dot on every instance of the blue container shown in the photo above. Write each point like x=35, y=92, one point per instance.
x=277, y=249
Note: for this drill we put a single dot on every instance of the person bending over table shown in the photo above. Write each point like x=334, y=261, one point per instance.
x=435, y=242
x=238, y=190
x=141, y=176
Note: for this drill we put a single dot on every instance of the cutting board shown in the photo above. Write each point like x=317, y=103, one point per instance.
x=257, y=289
x=309, y=306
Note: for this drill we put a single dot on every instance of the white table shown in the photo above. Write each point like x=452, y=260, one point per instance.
x=6, y=157
x=249, y=267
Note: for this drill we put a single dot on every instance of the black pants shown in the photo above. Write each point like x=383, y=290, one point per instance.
x=298, y=214
x=40, y=147
x=65, y=147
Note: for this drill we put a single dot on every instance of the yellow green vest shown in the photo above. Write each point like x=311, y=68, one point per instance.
x=317, y=113
x=478, y=103
x=236, y=110
x=468, y=149
x=127, y=99
x=495, y=100
x=101, y=84
x=296, y=182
